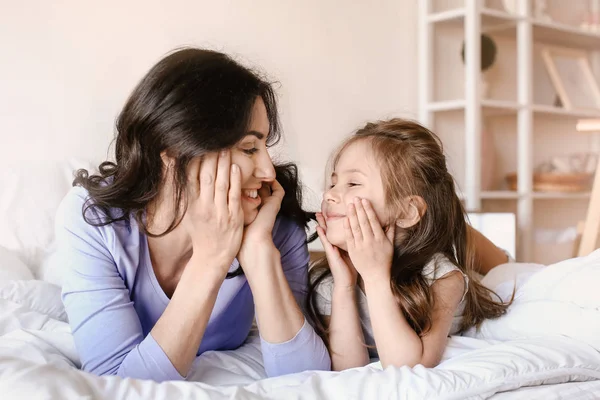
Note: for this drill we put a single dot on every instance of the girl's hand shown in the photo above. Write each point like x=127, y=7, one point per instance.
x=343, y=272
x=369, y=247
x=258, y=235
x=214, y=218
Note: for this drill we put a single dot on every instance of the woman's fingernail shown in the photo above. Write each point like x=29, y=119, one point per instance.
x=223, y=153
x=365, y=202
x=234, y=168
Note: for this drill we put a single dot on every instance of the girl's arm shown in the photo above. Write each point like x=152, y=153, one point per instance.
x=371, y=250
x=397, y=343
x=487, y=254
x=346, y=339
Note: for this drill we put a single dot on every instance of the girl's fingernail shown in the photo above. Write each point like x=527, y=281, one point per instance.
x=234, y=168
x=365, y=202
x=223, y=153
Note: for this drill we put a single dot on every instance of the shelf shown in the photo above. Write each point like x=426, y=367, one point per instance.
x=500, y=195
x=561, y=112
x=513, y=195
x=501, y=22
x=560, y=195
x=489, y=107
x=501, y=107
x=490, y=19
x=564, y=35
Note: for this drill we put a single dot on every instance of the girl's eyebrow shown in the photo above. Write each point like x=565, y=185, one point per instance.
x=349, y=171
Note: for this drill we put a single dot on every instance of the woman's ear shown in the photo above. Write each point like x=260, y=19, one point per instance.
x=414, y=209
x=168, y=162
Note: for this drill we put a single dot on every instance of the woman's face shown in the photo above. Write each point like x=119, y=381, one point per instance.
x=251, y=155
x=356, y=174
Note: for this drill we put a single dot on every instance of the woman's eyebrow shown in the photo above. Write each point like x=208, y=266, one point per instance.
x=257, y=134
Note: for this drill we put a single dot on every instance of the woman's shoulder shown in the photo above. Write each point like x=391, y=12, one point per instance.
x=77, y=216
x=288, y=234
x=117, y=246
x=77, y=207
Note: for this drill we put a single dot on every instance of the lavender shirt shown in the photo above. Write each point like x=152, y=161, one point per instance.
x=113, y=300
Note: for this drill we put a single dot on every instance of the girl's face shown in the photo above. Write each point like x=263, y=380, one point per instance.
x=356, y=174
x=251, y=155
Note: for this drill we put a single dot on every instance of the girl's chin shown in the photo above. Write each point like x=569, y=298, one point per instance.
x=337, y=242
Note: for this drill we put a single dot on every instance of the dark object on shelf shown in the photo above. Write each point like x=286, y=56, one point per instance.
x=488, y=52
x=557, y=102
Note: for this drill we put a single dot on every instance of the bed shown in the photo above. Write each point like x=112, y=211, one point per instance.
x=546, y=347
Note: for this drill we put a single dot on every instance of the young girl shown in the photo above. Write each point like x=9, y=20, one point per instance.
x=398, y=276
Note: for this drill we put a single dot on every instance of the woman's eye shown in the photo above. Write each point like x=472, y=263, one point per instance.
x=250, y=151
x=352, y=184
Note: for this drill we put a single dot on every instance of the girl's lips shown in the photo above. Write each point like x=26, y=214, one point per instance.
x=334, y=217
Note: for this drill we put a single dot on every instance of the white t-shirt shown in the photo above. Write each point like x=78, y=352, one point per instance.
x=437, y=268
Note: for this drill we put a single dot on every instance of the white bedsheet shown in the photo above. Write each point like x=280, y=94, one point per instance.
x=550, y=336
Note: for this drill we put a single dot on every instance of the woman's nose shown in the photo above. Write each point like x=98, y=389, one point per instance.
x=264, y=169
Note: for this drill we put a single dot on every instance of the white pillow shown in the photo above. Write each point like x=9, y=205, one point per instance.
x=561, y=299
x=39, y=296
x=11, y=266
x=29, y=196
x=505, y=278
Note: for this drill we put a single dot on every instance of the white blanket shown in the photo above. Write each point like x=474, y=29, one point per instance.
x=550, y=336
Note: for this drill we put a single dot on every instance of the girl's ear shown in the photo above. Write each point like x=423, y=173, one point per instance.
x=414, y=209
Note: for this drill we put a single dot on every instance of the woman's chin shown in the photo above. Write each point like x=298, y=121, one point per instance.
x=250, y=216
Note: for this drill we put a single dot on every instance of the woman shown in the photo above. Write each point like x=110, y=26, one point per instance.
x=173, y=248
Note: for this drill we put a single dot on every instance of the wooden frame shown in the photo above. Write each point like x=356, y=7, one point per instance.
x=590, y=228
x=587, y=85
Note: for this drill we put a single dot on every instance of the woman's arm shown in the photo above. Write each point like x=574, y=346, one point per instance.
x=278, y=278
x=346, y=338
x=180, y=328
x=106, y=327
x=397, y=343
x=487, y=254
x=105, y=324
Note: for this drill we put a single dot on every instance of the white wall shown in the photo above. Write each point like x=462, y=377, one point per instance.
x=66, y=67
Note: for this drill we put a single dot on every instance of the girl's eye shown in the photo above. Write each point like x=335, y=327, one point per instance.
x=352, y=184
x=250, y=151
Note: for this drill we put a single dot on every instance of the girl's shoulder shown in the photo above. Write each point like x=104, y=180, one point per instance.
x=438, y=267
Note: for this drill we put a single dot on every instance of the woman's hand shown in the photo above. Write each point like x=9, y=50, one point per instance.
x=214, y=218
x=369, y=247
x=258, y=235
x=343, y=272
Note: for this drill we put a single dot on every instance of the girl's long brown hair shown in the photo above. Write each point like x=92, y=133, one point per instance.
x=412, y=163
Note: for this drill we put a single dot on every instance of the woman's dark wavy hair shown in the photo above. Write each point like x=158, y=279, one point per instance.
x=192, y=102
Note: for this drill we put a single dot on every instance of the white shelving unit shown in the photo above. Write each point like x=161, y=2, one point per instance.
x=474, y=18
